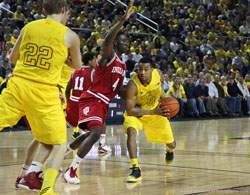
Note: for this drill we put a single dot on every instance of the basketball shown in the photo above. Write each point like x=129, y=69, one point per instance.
x=172, y=105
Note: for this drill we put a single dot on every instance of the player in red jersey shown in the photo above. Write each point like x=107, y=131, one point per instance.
x=94, y=103
x=80, y=81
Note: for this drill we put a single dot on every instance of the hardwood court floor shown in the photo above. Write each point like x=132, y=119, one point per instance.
x=212, y=157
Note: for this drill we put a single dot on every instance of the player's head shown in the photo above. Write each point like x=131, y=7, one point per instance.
x=89, y=59
x=121, y=43
x=145, y=69
x=56, y=7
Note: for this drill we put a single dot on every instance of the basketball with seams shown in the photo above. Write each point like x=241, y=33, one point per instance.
x=172, y=105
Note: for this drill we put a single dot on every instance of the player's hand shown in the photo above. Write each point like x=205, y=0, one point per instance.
x=129, y=11
x=62, y=98
x=163, y=111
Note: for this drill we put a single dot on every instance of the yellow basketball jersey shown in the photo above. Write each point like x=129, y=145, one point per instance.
x=42, y=52
x=147, y=97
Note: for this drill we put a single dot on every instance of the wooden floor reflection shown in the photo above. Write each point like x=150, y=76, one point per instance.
x=212, y=157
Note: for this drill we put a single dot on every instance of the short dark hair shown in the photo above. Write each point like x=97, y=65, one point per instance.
x=54, y=6
x=88, y=56
x=145, y=60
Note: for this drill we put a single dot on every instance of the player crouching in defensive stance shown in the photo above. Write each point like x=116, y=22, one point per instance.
x=143, y=111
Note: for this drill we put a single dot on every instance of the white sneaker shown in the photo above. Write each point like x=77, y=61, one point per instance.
x=70, y=176
x=104, y=149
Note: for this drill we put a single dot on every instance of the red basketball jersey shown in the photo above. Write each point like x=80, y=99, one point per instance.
x=81, y=81
x=108, y=80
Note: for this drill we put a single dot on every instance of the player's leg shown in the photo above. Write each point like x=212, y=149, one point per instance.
x=103, y=148
x=169, y=158
x=32, y=180
x=131, y=126
x=70, y=174
x=132, y=150
x=53, y=165
x=29, y=157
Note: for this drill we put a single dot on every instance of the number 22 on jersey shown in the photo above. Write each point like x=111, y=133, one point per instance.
x=38, y=56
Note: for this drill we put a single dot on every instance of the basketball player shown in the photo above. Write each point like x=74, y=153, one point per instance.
x=142, y=111
x=80, y=81
x=39, y=54
x=93, y=104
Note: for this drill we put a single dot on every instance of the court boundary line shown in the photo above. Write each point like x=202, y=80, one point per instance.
x=224, y=189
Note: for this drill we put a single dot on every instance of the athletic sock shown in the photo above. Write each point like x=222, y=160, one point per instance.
x=35, y=167
x=76, y=162
x=24, y=170
x=102, y=139
x=134, y=162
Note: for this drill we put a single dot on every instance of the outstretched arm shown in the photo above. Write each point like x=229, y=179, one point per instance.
x=107, y=46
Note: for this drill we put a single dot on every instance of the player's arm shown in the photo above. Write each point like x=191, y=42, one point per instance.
x=15, y=54
x=68, y=88
x=107, y=45
x=132, y=109
x=122, y=92
x=72, y=42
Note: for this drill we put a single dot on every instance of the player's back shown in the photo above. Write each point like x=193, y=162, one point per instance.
x=42, y=52
x=81, y=81
x=108, y=80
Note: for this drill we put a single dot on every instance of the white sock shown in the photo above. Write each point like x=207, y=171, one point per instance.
x=76, y=162
x=35, y=167
x=24, y=170
x=102, y=139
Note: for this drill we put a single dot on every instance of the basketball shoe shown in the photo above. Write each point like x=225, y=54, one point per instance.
x=135, y=176
x=104, y=148
x=70, y=176
x=75, y=135
x=17, y=182
x=31, y=181
x=47, y=191
x=169, y=158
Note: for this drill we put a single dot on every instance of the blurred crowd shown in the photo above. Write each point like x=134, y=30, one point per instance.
x=202, y=47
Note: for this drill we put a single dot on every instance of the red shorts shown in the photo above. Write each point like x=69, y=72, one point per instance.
x=92, y=113
x=72, y=113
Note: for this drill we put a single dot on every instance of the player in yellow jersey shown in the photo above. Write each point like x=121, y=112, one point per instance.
x=142, y=111
x=39, y=54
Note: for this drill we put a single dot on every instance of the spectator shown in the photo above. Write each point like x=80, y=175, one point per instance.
x=19, y=17
x=245, y=93
x=166, y=83
x=136, y=55
x=234, y=92
x=221, y=101
x=213, y=95
x=176, y=90
x=189, y=88
x=202, y=96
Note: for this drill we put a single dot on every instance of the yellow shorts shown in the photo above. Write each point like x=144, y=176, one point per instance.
x=157, y=128
x=41, y=105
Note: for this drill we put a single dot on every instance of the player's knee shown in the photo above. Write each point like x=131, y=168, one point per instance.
x=131, y=132
x=95, y=134
x=172, y=145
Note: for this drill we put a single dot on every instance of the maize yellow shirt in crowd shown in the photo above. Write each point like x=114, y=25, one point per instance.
x=37, y=49
x=13, y=40
x=247, y=83
x=178, y=94
x=181, y=89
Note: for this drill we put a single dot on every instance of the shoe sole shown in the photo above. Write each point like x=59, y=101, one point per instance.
x=69, y=182
x=20, y=186
x=134, y=181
